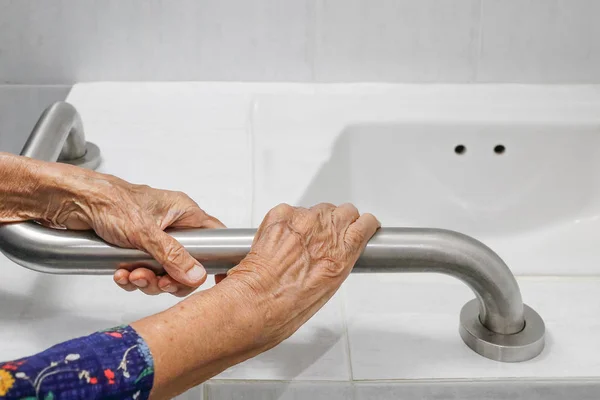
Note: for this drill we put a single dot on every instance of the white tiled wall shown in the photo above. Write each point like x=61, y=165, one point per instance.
x=540, y=41
x=483, y=390
x=64, y=41
x=279, y=390
x=87, y=40
x=396, y=40
x=20, y=108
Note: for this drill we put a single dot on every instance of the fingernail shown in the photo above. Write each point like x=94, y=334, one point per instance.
x=196, y=273
x=141, y=283
x=123, y=281
x=170, y=289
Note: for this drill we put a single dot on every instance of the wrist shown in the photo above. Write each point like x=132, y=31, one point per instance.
x=200, y=337
x=242, y=321
x=264, y=296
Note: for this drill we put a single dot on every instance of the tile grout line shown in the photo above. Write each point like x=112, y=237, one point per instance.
x=252, y=162
x=422, y=381
x=347, y=334
x=310, y=381
x=479, y=44
x=313, y=33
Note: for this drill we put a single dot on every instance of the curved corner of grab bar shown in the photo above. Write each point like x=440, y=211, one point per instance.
x=58, y=134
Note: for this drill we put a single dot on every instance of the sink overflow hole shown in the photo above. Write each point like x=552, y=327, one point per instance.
x=499, y=149
x=460, y=149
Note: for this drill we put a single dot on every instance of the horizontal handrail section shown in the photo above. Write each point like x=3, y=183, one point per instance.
x=391, y=250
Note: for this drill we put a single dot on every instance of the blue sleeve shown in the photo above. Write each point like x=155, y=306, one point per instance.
x=111, y=364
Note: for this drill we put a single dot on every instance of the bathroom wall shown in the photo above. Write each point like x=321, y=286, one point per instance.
x=66, y=41
x=20, y=108
x=59, y=42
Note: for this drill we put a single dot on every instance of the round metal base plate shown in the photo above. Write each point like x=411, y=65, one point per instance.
x=91, y=159
x=521, y=346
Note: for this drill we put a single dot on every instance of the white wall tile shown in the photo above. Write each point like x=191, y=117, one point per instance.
x=396, y=40
x=279, y=391
x=540, y=41
x=65, y=41
x=20, y=108
x=477, y=390
x=405, y=327
x=73, y=40
x=176, y=136
x=317, y=351
x=196, y=393
x=33, y=335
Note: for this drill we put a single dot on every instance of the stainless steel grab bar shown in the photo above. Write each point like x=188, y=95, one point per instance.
x=58, y=135
x=496, y=324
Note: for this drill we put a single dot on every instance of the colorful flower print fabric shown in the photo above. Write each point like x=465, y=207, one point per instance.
x=111, y=364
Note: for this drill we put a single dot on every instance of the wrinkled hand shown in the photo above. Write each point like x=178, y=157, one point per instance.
x=298, y=260
x=135, y=216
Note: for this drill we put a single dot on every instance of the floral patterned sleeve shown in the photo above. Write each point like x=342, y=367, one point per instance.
x=111, y=364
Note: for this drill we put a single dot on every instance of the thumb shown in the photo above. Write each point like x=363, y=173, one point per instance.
x=175, y=259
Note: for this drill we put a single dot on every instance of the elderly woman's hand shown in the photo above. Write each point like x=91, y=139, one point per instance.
x=133, y=216
x=298, y=260
x=126, y=215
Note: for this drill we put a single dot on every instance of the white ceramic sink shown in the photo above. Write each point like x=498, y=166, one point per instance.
x=524, y=186
x=411, y=175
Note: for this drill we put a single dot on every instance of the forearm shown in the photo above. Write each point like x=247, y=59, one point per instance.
x=29, y=189
x=201, y=337
x=49, y=192
x=19, y=182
